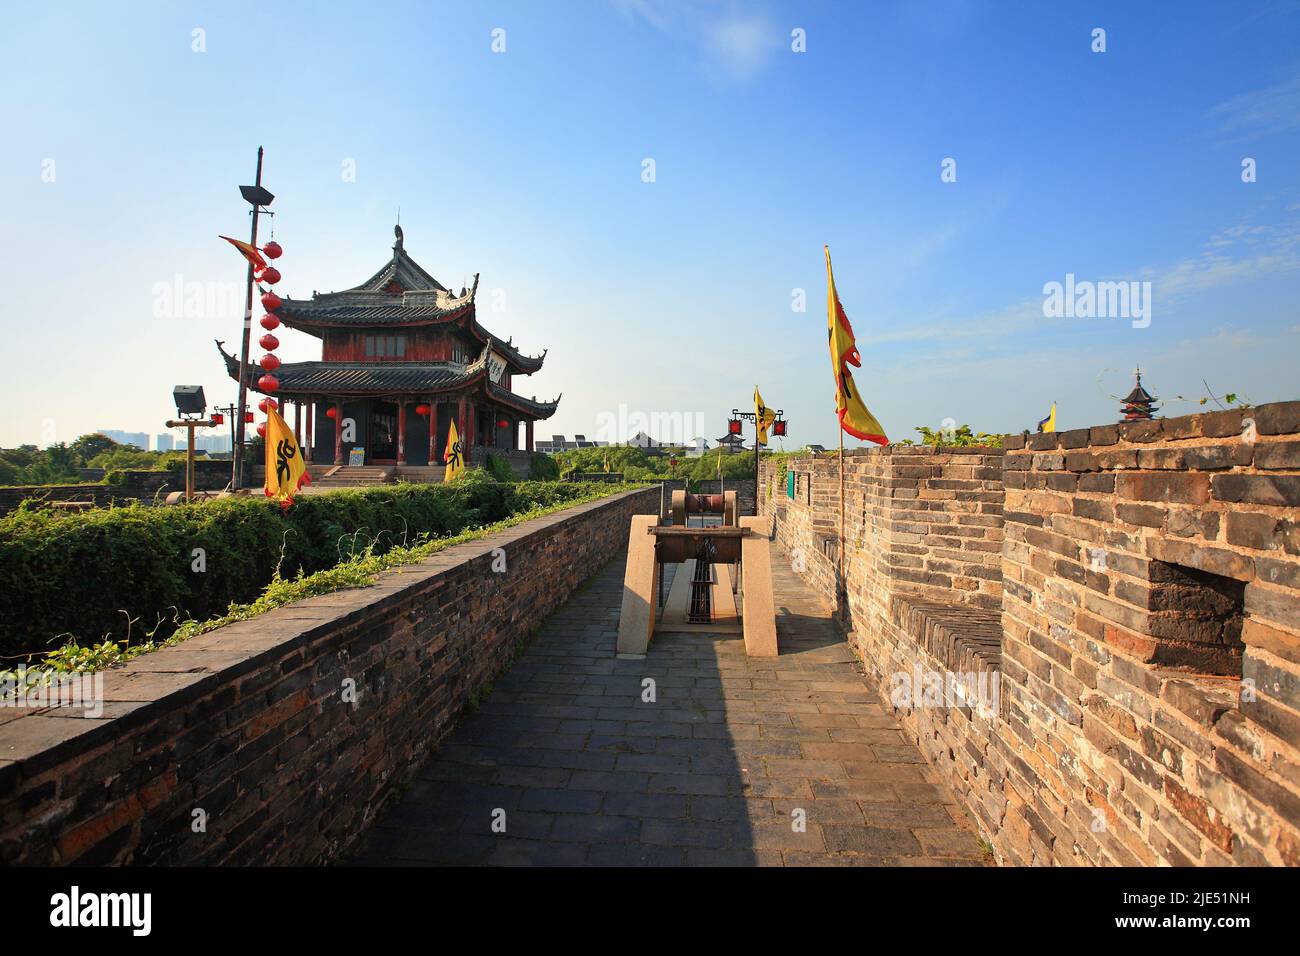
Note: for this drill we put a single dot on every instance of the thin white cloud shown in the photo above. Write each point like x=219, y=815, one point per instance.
x=743, y=44
x=735, y=39
x=1262, y=112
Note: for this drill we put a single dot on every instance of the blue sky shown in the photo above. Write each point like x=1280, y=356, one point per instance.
x=671, y=297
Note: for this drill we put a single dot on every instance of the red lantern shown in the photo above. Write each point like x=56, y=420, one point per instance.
x=273, y=250
x=502, y=423
x=270, y=321
x=778, y=427
x=331, y=413
x=218, y=418
x=248, y=418
x=422, y=410
x=261, y=429
x=269, y=342
x=271, y=276
x=266, y=403
x=733, y=426
x=268, y=384
x=269, y=362
x=271, y=301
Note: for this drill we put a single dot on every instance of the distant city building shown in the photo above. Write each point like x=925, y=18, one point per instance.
x=163, y=442
x=696, y=447
x=139, y=440
x=213, y=444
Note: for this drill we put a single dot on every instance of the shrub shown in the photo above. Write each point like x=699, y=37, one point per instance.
x=543, y=468
x=126, y=572
x=961, y=437
x=498, y=468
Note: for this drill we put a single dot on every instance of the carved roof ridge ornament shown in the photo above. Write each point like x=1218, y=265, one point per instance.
x=398, y=245
x=480, y=363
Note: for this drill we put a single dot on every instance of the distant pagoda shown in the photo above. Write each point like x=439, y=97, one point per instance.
x=1139, y=404
x=732, y=444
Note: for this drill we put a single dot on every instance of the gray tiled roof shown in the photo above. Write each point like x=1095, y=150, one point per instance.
x=424, y=301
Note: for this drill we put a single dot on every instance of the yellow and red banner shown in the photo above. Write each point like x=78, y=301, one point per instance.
x=286, y=470
x=855, y=417
x=250, y=253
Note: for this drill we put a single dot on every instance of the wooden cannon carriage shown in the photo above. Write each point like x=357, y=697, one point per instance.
x=723, y=584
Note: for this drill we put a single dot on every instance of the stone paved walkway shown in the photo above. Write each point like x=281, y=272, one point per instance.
x=711, y=773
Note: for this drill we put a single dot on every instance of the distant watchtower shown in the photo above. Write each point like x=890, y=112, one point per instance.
x=1138, y=405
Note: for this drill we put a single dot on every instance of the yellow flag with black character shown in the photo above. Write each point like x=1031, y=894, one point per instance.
x=763, y=417
x=454, y=456
x=286, y=469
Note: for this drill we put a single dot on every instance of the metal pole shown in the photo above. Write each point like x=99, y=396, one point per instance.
x=189, y=467
x=756, y=456
x=842, y=601
x=237, y=453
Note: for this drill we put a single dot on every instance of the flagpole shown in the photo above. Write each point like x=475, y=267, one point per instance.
x=237, y=453
x=843, y=588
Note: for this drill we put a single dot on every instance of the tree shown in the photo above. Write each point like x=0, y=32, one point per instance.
x=88, y=446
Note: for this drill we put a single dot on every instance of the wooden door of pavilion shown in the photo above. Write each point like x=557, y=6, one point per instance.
x=381, y=442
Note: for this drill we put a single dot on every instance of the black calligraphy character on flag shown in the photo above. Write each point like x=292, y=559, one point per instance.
x=284, y=451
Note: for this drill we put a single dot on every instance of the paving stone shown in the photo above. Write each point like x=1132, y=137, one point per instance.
x=948, y=841
x=561, y=801
x=735, y=856
x=647, y=805
x=531, y=776
x=601, y=828
x=906, y=815
x=635, y=854
x=876, y=841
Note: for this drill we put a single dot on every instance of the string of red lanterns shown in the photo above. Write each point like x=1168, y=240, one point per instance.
x=268, y=383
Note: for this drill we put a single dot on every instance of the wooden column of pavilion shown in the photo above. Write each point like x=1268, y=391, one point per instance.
x=338, y=431
x=401, y=431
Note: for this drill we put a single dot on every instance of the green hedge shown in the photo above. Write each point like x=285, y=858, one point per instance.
x=498, y=468
x=78, y=575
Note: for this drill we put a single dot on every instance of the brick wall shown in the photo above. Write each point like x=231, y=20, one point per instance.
x=249, y=725
x=1145, y=570
x=916, y=519
x=1149, y=567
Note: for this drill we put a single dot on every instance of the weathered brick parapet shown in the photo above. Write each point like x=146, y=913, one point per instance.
x=1148, y=568
x=917, y=519
x=1149, y=661
x=250, y=729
